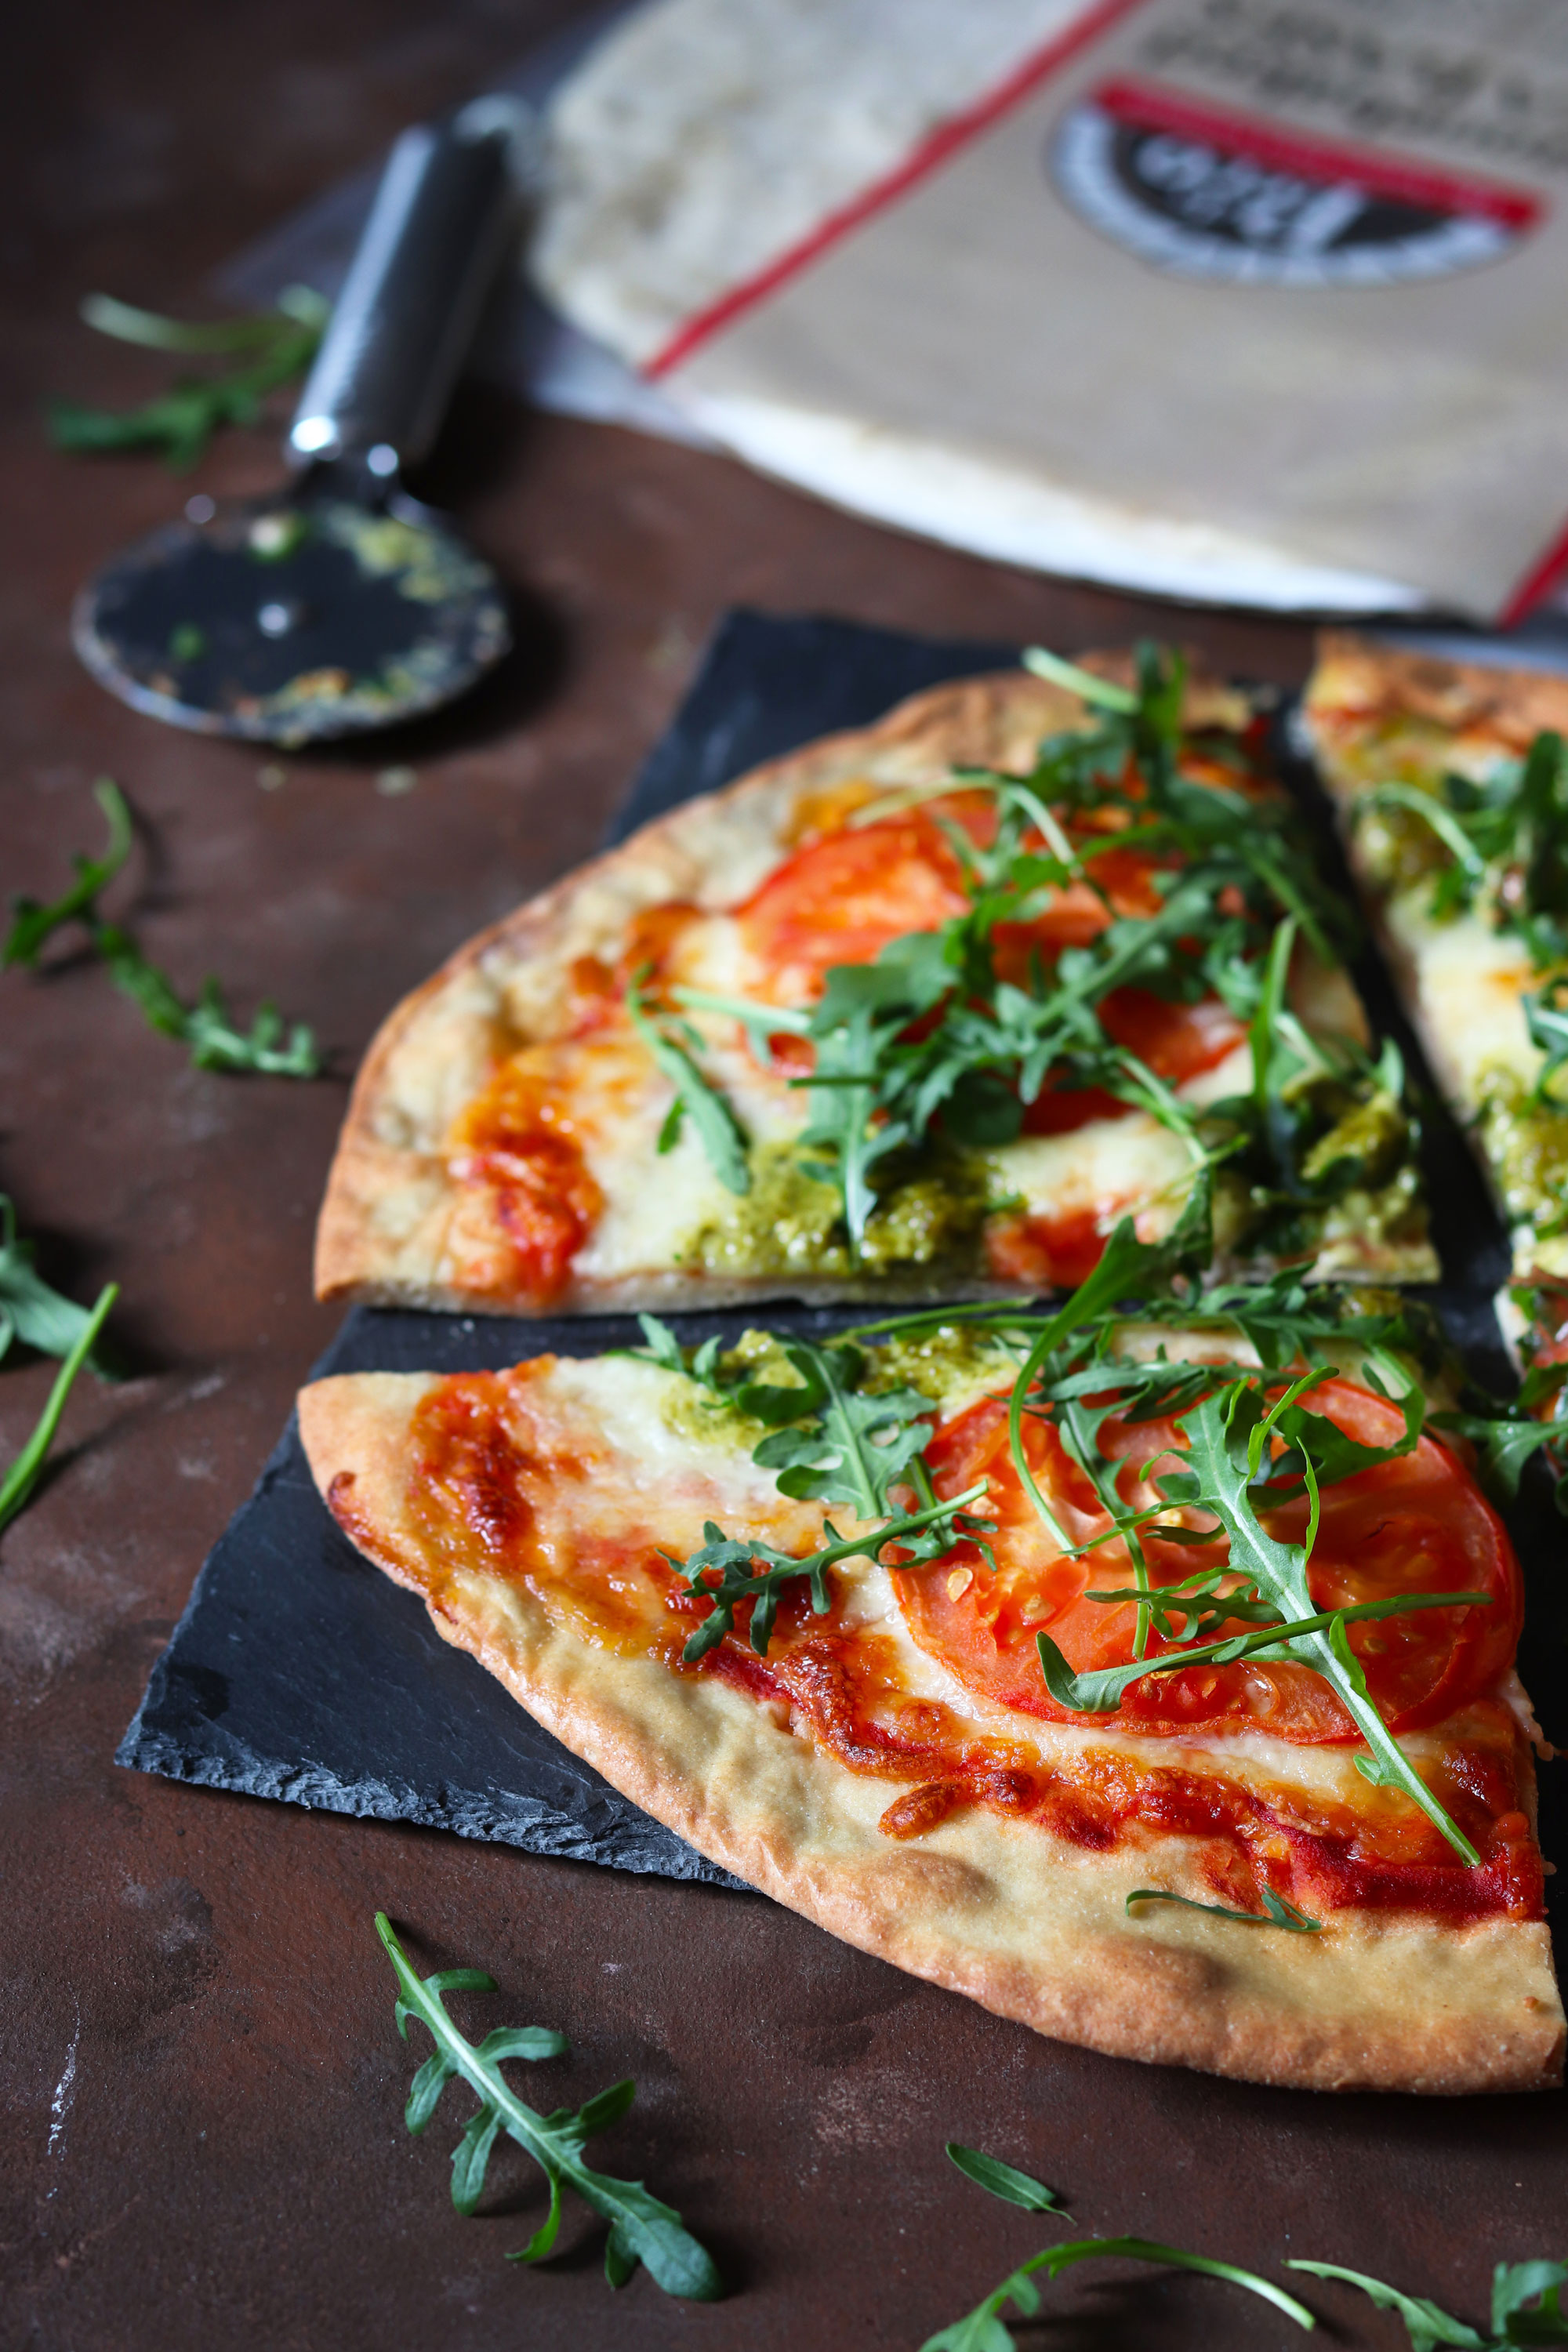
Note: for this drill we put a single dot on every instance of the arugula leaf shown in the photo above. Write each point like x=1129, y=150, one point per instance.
x=181, y=422
x=1504, y=842
x=641, y=2228
x=1546, y=1018
x=1515, y=2286
x=932, y=1030
x=1277, y=1910
x=982, y=2330
x=1101, y=1691
x=1004, y=2180
x=1219, y=1432
x=30, y=1310
x=1082, y=682
x=855, y=1446
x=1426, y=2325
x=927, y=1534
x=17, y=1483
x=206, y=1027
x=32, y=923
x=723, y=1137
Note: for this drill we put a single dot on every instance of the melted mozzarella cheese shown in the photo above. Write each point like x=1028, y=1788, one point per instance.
x=1096, y=1169
x=1467, y=981
x=652, y=1457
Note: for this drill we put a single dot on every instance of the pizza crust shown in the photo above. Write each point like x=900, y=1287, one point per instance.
x=1375, y=711
x=1027, y=1924
x=392, y=1206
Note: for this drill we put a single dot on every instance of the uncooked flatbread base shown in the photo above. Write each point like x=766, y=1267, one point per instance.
x=1023, y=1923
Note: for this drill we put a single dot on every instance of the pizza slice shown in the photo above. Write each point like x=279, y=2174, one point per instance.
x=1151, y=1682
x=1451, y=779
x=919, y=1010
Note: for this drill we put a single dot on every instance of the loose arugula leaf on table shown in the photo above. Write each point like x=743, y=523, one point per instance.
x=33, y=923
x=1004, y=2180
x=984, y=2328
x=1277, y=1910
x=30, y=1310
x=19, y=1482
x=207, y=1028
x=1527, y=2307
x=269, y=350
x=641, y=2228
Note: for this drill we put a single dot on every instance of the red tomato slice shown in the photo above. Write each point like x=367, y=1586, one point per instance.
x=1177, y=1041
x=1417, y=1524
x=842, y=899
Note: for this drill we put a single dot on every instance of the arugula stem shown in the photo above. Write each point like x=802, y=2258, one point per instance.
x=642, y=2228
x=19, y=1481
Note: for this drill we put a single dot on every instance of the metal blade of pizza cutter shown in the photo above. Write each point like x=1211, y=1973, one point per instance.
x=338, y=601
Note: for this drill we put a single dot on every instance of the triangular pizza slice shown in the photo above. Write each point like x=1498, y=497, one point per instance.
x=919, y=1011
x=1451, y=781
x=1152, y=1682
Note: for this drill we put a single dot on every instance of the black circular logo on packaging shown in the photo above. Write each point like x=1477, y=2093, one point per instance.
x=1206, y=195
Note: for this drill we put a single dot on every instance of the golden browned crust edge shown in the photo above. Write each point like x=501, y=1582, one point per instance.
x=1353, y=673
x=974, y=720
x=1030, y=1928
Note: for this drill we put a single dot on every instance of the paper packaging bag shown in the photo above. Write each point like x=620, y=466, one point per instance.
x=1283, y=285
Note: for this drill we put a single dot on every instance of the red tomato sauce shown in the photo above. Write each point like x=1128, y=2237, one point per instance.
x=513, y=1143
x=493, y=1478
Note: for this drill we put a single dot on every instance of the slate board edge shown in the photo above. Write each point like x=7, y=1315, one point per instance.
x=691, y=756
x=524, y=1822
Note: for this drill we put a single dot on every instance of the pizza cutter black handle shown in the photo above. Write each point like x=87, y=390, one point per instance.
x=448, y=205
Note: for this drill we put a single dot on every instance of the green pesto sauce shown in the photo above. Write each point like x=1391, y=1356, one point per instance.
x=1528, y=1149
x=1397, y=847
x=791, y=1223
x=1374, y=1135
x=693, y=1411
x=1393, y=1214
x=1361, y=1169
x=947, y=1362
x=938, y=1364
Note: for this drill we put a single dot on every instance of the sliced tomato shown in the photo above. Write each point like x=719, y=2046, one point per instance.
x=1416, y=1524
x=1178, y=1042
x=1055, y=1251
x=844, y=898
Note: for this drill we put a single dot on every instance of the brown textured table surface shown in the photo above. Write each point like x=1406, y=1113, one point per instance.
x=201, y=2083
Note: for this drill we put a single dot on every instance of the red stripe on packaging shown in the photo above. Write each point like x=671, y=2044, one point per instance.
x=944, y=142
x=1155, y=108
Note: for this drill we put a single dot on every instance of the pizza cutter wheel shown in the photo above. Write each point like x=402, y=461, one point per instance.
x=339, y=603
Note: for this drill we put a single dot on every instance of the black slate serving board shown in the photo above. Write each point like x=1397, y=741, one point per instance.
x=299, y=1671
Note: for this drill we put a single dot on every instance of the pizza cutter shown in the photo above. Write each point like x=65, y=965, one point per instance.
x=339, y=603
